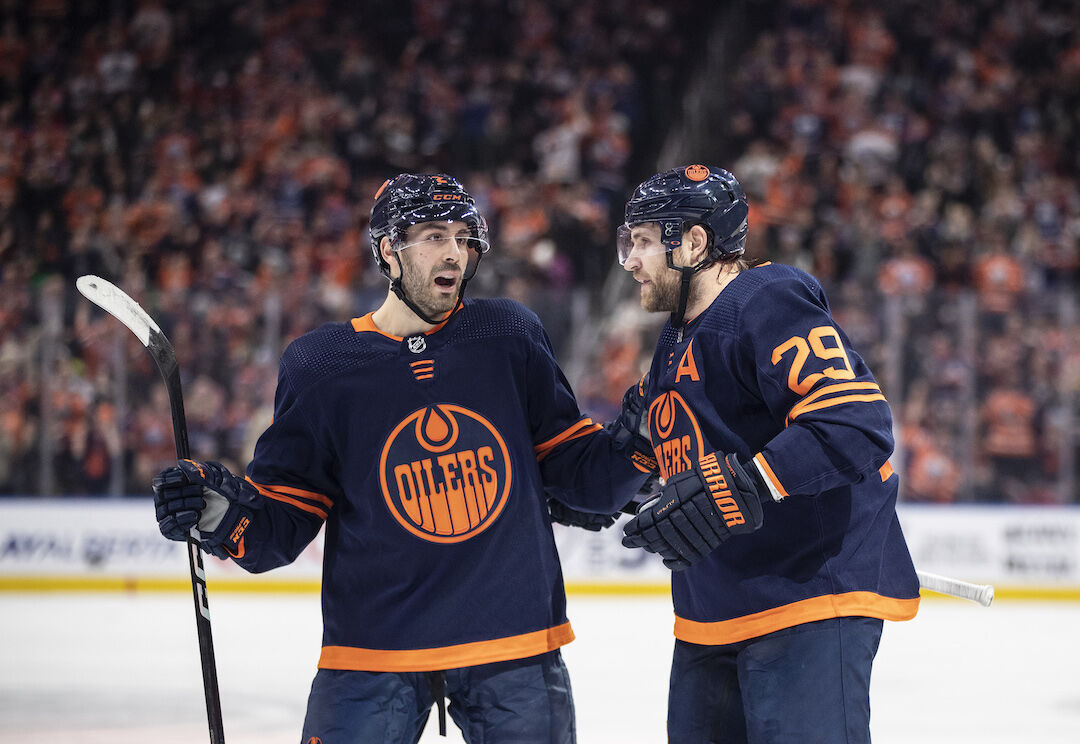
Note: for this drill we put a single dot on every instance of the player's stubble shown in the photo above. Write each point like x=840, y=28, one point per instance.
x=422, y=290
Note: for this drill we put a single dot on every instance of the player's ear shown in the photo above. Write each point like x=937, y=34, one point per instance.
x=387, y=251
x=696, y=241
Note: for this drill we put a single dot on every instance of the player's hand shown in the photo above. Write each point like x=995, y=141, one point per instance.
x=563, y=514
x=204, y=495
x=631, y=428
x=698, y=509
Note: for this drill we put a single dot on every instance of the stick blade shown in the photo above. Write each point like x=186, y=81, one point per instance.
x=118, y=304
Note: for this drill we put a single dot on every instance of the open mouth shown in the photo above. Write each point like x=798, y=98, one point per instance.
x=446, y=282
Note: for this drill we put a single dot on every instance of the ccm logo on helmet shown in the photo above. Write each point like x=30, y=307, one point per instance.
x=446, y=197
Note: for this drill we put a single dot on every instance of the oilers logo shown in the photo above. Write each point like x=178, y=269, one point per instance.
x=676, y=436
x=445, y=473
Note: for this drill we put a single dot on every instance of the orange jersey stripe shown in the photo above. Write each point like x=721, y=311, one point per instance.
x=835, y=402
x=312, y=495
x=317, y=511
x=760, y=458
x=863, y=604
x=447, y=657
x=580, y=429
x=803, y=405
x=886, y=471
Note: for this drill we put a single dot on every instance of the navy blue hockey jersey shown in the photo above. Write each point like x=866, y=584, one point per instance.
x=427, y=459
x=766, y=373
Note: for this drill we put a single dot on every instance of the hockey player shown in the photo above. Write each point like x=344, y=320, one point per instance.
x=427, y=437
x=777, y=514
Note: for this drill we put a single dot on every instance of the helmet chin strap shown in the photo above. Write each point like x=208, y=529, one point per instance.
x=686, y=274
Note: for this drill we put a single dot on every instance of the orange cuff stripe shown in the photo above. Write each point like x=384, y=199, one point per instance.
x=580, y=429
x=321, y=513
x=800, y=410
x=312, y=495
x=760, y=458
x=864, y=604
x=447, y=657
x=829, y=390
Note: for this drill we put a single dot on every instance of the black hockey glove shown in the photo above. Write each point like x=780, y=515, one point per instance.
x=631, y=428
x=206, y=495
x=563, y=514
x=698, y=509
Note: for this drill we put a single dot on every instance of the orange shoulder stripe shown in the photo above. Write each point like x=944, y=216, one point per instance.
x=579, y=429
x=864, y=604
x=446, y=657
x=272, y=494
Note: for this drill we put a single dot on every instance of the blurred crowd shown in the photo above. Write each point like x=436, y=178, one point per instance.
x=921, y=158
x=217, y=160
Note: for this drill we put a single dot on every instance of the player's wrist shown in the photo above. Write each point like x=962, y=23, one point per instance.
x=228, y=538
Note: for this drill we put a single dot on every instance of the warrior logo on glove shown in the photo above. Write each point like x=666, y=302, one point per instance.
x=713, y=476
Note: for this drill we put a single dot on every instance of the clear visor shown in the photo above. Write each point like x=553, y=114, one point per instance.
x=443, y=242
x=639, y=240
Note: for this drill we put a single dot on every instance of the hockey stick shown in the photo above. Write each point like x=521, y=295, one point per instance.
x=981, y=593
x=116, y=303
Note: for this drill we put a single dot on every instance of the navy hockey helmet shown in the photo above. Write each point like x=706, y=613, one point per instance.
x=683, y=197
x=408, y=199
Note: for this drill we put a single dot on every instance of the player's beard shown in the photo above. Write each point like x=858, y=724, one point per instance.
x=661, y=294
x=421, y=290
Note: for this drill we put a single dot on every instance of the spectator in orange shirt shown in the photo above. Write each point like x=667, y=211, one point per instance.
x=999, y=278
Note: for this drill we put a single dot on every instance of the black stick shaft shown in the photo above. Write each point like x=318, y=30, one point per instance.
x=163, y=354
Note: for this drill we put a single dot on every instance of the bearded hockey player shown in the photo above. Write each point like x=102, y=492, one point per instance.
x=777, y=514
x=427, y=436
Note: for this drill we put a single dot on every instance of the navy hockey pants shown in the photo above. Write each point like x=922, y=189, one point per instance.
x=809, y=684
x=526, y=701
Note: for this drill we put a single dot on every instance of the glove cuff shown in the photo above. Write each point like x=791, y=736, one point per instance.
x=633, y=446
x=227, y=540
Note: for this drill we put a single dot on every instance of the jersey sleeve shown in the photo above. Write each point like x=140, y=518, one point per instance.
x=836, y=426
x=579, y=462
x=293, y=473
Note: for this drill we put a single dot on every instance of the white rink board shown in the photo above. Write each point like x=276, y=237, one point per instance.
x=96, y=539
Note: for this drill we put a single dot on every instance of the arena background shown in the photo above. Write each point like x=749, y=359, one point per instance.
x=217, y=161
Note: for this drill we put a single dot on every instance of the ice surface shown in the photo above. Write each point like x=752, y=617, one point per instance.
x=120, y=669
